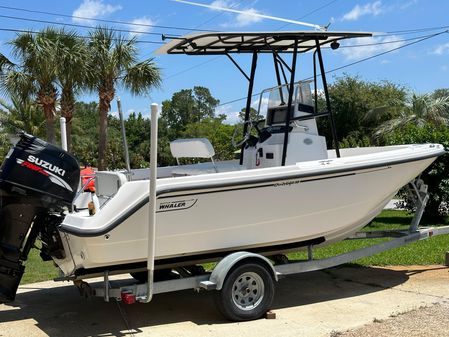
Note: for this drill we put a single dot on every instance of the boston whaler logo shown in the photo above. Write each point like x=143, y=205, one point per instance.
x=176, y=205
x=45, y=168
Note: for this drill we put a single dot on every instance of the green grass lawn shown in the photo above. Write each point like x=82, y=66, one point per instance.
x=423, y=252
x=37, y=270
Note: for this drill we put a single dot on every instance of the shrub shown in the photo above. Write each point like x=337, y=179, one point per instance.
x=437, y=175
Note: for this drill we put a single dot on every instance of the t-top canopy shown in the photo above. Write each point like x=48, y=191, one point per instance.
x=217, y=43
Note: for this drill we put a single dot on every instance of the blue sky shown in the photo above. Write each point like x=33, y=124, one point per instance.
x=422, y=67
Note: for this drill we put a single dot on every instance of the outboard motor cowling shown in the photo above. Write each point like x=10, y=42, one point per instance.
x=38, y=181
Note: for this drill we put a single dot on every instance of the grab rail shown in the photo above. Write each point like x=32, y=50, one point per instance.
x=81, y=190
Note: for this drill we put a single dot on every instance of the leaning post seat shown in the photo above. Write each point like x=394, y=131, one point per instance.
x=197, y=148
x=192, y=148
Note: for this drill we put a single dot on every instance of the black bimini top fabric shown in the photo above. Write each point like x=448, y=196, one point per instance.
x=219, y=43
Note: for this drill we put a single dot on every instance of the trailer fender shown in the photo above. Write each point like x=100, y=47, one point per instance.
x=226, y=264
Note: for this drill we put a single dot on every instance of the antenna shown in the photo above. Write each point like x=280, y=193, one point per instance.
x=253, y=14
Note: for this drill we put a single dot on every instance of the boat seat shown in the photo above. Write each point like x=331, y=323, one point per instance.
x=199, y=148
x=192, y=148
x=108, y=183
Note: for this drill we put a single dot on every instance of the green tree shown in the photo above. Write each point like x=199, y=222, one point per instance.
x=34, y=74
x=138, y=131
x=205, y=104
x=351, y=100
x=253, y=115
x=189, y=113
x=188, y=106
x=437, y=175
x=85, y=132
x=217, y=132
x=419, y=110
x=115, y=154
x=72, y=71
x=113, y=61
x=21, y=115
x=441, y=93
x=165, y=135
x=5, y=145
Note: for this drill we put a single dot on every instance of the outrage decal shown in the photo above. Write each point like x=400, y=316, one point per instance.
x=287, y=183
x=166, y=206
x=45, y=168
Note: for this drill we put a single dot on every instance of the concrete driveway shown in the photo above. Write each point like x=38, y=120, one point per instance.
x=313, y=304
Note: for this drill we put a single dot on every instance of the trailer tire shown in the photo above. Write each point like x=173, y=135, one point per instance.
x=247, y=292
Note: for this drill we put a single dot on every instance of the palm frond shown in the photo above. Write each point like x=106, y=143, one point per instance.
x=17, y=83
x=142, y=77
x=5, y=64
x=419, y=109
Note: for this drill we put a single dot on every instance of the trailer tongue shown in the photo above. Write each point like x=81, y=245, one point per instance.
x=38, y=181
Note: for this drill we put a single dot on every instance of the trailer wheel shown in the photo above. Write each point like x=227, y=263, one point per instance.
x=247, y=292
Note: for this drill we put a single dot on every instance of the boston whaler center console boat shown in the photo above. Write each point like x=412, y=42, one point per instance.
x=286, y=191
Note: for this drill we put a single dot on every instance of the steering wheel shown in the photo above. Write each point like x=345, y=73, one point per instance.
x=245, y=137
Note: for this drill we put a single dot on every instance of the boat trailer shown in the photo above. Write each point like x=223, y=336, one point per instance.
x=244, y=281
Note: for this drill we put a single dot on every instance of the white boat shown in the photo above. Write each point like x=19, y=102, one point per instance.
x=287, y=191
x=271, y=210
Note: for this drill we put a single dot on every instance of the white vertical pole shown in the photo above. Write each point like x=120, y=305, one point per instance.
x=63, y=133
x=125, y=143
x=152, y=204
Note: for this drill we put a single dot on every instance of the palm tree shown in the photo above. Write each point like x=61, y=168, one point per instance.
x=72, y=63
x=35, y=73
x=417, y=109
x=21, y=115
x=113, y=61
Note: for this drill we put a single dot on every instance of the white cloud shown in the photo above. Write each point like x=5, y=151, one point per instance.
x=222, y=3
x=372, y=8
x=408, y=4
x=247, y=18
x=441, y=49
x=263, y=105
x=138, y=30
x=244, y=19
x=93, y=9
x=232, y=116
x=370, y=46
x=385, y=62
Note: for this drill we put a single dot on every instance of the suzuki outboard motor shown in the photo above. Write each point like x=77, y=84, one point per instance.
x=38, y=181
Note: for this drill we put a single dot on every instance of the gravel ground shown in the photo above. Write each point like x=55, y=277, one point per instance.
x=430, y=321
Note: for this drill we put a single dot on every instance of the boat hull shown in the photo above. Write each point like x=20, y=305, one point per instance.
x=324, y=205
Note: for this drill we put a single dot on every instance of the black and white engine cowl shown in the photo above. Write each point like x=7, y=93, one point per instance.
x=38, y=182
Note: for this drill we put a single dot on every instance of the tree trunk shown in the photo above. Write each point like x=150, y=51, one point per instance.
x=106, y=95
x=103, y=140
x=68, y=128
x=50, y=125
x=46, y=98
x=67, y=108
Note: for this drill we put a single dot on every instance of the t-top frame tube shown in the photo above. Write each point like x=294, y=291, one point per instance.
x=248, y=101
